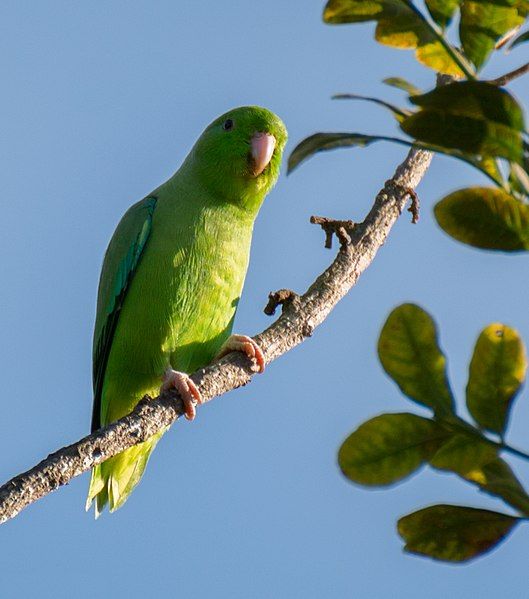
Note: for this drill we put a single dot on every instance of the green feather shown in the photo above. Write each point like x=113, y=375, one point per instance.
x=172, y=278
x=121, y=260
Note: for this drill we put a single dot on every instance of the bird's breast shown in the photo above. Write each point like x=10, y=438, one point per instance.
x=205, y=267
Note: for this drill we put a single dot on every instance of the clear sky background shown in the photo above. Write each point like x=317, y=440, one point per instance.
x=100, y=103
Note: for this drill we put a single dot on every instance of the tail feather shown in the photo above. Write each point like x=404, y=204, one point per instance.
x=114, y=480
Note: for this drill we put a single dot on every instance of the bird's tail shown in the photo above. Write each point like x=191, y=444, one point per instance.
x=114, y=480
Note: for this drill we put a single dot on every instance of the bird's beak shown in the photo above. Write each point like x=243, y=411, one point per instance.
x=263, y=145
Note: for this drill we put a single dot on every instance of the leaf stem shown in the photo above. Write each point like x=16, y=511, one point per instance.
x=513, y=450
x=508, y=77
x=469, y=429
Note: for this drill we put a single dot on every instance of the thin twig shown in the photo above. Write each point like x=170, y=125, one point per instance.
x=341, y=228
x=508, y=77
x=414, y=206
x=298, y=320
x=279, y=298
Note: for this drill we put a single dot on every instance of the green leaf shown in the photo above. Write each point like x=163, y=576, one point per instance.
x=486, y=218
x=483, y=23
x=519, y=179
x=475, y=460
x=442, y=11
x=497, y=371
x=463, y=454
x=462, y=133
x=471, y=457
x=490, y=165
x=388, y=448
x=521, y=39
x=497, y=478
x=476, y=99
x=471, y=116
x=398, y=26
x=400, y=83
x=399, y=113
x=409, y=353
x=321, y=142
x=454, y=533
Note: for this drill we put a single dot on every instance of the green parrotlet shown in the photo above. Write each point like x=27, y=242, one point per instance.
x=171, y=281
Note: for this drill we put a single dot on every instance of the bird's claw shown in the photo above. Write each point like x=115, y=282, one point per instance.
x=186, y=387
x=247, y=346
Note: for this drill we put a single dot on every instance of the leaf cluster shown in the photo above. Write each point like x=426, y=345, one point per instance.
x=400, y=24
x=480, y=123
x=477, y=122
x=390, y=447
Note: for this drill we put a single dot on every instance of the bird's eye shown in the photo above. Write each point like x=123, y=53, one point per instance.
x=227, y=125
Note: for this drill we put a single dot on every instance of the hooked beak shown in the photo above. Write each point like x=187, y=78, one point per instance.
x=263, y=145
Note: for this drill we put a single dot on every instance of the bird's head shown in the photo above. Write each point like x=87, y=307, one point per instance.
x=239, y=154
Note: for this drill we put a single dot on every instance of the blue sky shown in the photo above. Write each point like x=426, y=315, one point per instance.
x=100, y=103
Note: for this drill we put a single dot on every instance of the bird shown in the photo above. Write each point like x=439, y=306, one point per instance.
x=171, y=281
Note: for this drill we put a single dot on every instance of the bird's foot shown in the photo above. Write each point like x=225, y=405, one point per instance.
x=248, y=346
x=188, y=390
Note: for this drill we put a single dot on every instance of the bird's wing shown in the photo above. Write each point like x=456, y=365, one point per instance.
x=121, y=261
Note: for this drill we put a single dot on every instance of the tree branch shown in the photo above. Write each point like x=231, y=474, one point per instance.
x=300, y=316
x=508, y=77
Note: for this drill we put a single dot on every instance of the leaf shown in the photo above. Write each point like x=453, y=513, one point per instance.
x=454, y=533
x=400, y=83
x=476, y=99
x=476, y=461
x=399, y=113
x=398, y=26
x=442, y=11
x=471, y=116
x=483, y=23
x=437, y=58
x=497, y=478
x=388, y=448
x=321, y=142
x=409, y=353
x=497, y=371
x=462, y=133
x=463, y=454
x=490, y=165
x=521, y=39
x=486, y=218
x=519, y=179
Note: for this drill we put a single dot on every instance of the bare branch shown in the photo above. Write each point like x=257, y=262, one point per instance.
x=300, y=316
x=508, y=77
x=414, y=206
x=340, y=228
x=279, y=298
